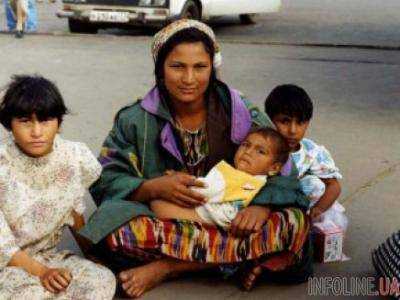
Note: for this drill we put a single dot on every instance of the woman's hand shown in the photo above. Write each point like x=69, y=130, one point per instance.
x=250, y=219
x=55, y=280
x=175, y=187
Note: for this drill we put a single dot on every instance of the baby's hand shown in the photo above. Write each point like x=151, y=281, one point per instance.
x=316, y=212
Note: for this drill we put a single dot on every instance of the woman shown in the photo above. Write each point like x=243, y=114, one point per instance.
x=187, y=123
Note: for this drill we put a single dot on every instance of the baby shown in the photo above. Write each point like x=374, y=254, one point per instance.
x=229, y=189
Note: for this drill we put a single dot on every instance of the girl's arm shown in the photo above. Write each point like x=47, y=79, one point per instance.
x=332, y=192
x=54, y=280
x=79, y=222
x=22, y=260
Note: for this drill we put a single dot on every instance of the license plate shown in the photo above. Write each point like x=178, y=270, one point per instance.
x=109, y=16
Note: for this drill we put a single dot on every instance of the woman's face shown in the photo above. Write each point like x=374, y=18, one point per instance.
x=187, y=71
x=35, y=138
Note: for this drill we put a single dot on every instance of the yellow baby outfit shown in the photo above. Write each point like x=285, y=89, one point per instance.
x=228, y=190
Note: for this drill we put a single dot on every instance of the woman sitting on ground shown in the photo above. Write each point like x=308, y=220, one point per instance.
x=187, y=123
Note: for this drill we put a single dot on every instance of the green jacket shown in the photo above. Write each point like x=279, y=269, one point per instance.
x=142, y=145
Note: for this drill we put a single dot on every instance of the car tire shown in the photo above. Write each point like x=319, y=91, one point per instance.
x=78, y=26
x=247, y=19
x=191, y=11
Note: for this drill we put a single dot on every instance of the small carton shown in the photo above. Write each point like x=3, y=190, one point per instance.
x=328, y=242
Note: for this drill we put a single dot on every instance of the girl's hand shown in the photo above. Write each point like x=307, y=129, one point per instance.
x=249, y=220
x=55, y=280
x=174, y=187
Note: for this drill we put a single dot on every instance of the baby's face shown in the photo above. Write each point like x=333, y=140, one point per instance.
x=256, y=155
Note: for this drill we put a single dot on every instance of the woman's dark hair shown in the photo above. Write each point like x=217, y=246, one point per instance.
x=281, y=147
x=290, y=100
x=27, y=95
x=188, y=35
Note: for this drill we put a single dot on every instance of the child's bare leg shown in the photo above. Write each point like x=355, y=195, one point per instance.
x=167, y=210
x=21, y=16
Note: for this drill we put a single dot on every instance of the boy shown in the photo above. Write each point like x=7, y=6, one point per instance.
x=290, y=109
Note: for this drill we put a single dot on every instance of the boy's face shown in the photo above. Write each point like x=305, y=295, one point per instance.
x=35, y=138
x=256, y=156
x=291, y=128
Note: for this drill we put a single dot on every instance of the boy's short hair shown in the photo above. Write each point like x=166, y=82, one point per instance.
x=281, y=147
x=27, y=95
x=290, y=100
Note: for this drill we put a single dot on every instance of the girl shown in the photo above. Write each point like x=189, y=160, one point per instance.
x=43, y=179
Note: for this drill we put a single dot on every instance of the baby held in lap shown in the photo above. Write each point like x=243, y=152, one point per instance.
x=228, y=189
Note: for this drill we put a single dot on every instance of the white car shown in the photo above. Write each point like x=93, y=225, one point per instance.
x=90, y=15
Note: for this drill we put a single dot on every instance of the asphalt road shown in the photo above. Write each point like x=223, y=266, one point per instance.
x=342, y=22
x=357, y=118
x=355, y=91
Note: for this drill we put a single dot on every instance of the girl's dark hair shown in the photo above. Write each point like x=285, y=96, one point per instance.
x=290, y=100
x=31, y=94
x=188, y=35
x=281, y=147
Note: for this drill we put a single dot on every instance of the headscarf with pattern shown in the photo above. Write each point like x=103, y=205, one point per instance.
x=167, y=32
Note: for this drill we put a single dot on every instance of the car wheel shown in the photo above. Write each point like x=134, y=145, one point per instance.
x=78, y=26
x=191, y=11
x=247, y=19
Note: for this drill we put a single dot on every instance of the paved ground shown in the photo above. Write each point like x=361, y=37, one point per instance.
x=357, y=118
x=341, y=22
x=355, y=91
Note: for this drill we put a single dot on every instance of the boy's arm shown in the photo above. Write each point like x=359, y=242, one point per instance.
x=332, y=192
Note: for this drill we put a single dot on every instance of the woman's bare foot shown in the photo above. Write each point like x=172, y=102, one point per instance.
x=138, y=280
x=279, y=262
x=249, y=279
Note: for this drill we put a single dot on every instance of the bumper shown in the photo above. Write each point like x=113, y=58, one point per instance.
x=135, y=15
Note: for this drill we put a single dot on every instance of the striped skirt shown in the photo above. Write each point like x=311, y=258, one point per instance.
x=150, y=238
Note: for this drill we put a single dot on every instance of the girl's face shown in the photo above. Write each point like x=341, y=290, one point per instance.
x=256, y=156
x=35, y=138
x=187, y=71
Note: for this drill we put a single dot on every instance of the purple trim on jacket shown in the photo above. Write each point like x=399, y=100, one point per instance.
x=240, y=120
x=169, y=143
x=151, y=101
